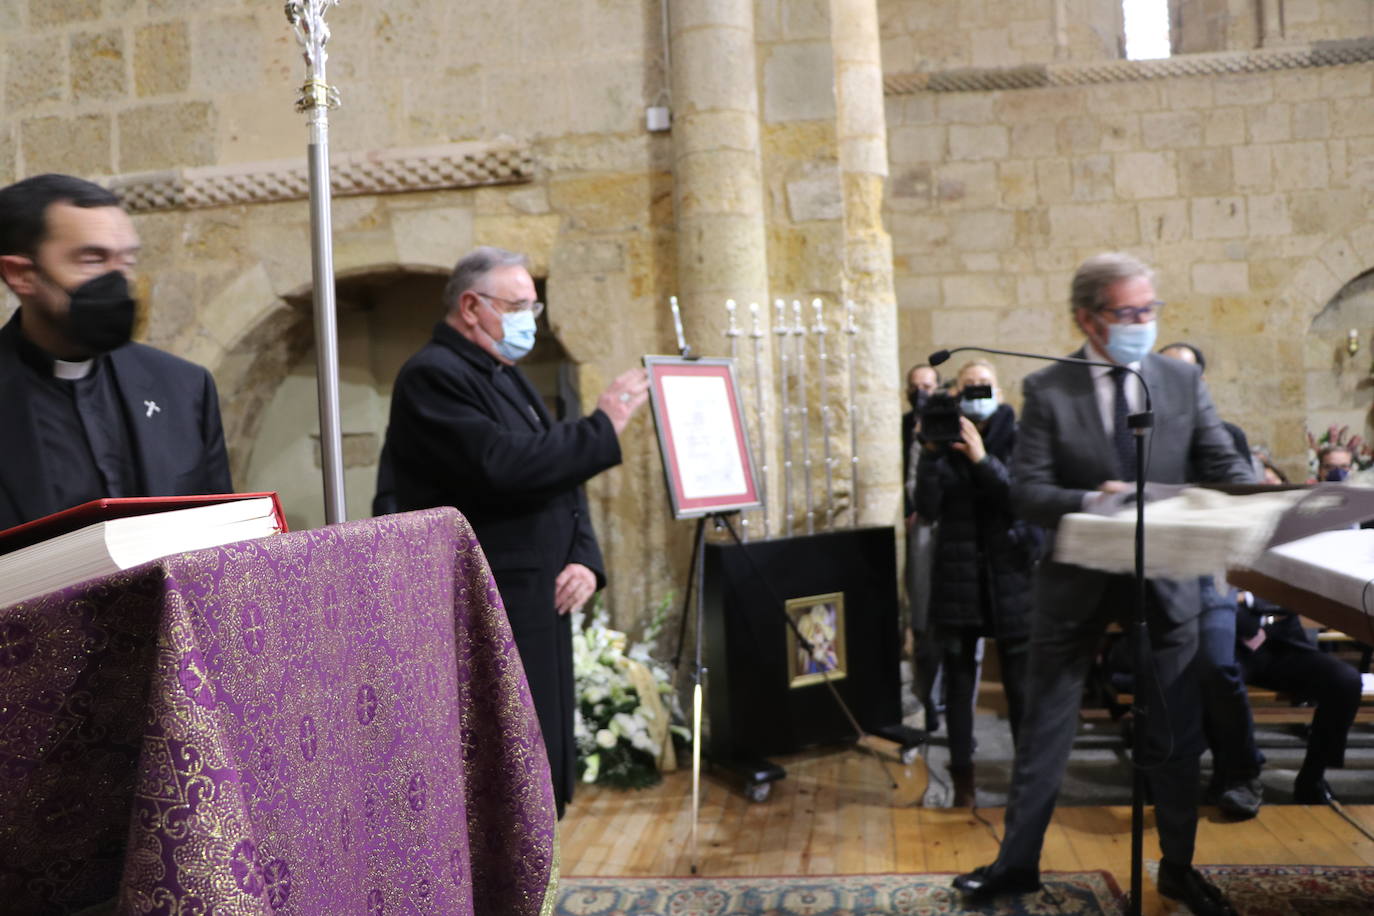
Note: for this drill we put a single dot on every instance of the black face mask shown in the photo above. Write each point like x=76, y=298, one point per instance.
x=917, y=398
x=101, y=315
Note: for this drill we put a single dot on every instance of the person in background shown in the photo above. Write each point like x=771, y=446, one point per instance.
x=981, y=570
x=1227, y=720
x=921, y=381
x=1334, y=463
x=87, y=413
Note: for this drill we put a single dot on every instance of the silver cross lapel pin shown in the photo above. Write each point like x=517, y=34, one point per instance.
x=152, y=408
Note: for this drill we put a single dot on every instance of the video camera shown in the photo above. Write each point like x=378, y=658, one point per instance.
x=940, y=419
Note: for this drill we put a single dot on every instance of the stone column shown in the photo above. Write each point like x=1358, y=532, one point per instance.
x=861, y=135
x=1271, y=23
x=718, y=190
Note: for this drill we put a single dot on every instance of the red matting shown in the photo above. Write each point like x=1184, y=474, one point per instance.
x=664, y=367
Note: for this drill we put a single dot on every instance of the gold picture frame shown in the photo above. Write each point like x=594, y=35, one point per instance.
x=820, y=618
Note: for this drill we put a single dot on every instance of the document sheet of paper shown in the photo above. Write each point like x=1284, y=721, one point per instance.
x=704, y=443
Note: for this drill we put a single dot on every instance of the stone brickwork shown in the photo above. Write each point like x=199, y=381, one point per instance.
x=116, y=89
x=1248, y=192
x=1012, y=142
x=944, y=34
x=187, y=107
x=1237, y=25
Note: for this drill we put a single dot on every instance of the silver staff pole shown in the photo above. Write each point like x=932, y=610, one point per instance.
x=760, y=422
x=781, y=331
x=732, y=332
x=317, y=97
x=803, y=412
x=823, y=361
x=851, y=331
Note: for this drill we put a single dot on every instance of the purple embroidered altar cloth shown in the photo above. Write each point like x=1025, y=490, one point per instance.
x=323, y=722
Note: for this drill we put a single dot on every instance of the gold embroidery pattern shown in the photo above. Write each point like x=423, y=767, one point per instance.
x=327, y=721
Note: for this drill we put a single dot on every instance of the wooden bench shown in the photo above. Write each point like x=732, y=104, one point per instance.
x=1103, y=703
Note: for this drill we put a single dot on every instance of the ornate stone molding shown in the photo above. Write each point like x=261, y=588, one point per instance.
x=430, y=168
x=1029, y=76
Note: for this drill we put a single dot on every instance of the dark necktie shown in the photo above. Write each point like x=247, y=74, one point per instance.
x=1122, y=437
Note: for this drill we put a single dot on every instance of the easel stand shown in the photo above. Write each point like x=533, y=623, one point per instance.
x=695, y=592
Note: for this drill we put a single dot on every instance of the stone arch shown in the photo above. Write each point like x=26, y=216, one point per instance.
x=268, y=388
x=267, y=382
x=1329, y=294
x=1339, y=385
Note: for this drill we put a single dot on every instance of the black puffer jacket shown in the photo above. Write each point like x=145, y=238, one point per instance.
x=981, y=573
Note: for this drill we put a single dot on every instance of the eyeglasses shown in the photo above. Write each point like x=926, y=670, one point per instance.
x=1130, y=314
x=533, y=306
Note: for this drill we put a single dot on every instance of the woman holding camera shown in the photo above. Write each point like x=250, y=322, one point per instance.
x=981, y=572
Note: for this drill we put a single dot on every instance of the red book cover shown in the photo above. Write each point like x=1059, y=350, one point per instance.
x=103, y=510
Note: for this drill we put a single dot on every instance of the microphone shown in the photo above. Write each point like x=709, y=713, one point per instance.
x=940, y=356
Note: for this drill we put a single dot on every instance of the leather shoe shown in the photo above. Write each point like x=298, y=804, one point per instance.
x=1312, y=792
x=1187, y=886
x=1241, y=799
x=988, y=881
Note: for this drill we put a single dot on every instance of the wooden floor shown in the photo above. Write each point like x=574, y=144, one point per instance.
x=836, y=814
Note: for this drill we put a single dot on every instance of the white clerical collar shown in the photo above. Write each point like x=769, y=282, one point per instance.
x=71, y=371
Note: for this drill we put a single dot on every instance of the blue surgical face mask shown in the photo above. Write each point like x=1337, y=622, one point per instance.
x=1128, y=343
x=517, y=329
x=1337, y=475
x=979, y=409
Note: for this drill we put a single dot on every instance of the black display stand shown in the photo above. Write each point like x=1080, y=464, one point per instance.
x=753, y=711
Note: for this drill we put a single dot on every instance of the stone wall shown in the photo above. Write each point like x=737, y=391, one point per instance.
x=120, y=87
x=943, y=34
x=1249, y=192
x=163, y=96
x=1241, y=25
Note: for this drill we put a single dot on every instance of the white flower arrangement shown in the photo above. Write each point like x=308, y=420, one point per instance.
x=613, y=727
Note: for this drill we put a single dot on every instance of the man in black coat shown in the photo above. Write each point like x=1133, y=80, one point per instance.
x=468, y=430
x=87, y=413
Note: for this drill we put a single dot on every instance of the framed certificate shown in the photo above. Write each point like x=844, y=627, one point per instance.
x=702, y=435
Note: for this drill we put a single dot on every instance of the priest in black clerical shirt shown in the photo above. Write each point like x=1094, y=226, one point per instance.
x=85, y=413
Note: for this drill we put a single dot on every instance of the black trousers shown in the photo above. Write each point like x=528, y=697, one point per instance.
x=1301, y=671
x=958, y=647
x=1063, y=643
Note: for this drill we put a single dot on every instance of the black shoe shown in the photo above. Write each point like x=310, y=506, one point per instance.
x=1312, y=792
x=1187, y=886
x=1241, y=799
x=988, y=881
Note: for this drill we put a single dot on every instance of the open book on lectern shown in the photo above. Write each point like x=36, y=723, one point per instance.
x=1202, y=530
x=107, y=535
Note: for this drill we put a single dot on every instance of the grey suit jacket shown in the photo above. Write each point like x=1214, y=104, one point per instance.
x=1063, y=453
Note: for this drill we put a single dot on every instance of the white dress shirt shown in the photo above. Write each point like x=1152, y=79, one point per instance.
x=1106, y=388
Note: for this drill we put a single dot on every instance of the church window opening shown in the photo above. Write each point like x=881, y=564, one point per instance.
x=1147, y=28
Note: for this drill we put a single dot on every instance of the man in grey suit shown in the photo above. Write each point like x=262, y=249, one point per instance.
x=1074, y=448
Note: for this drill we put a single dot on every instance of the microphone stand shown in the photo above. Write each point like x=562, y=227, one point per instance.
x=1139, y=422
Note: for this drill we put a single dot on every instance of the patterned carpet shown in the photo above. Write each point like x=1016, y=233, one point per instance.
x=1295, y=890
x=1067, y=894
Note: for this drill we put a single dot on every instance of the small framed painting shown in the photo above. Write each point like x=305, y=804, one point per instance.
x=820, y=620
